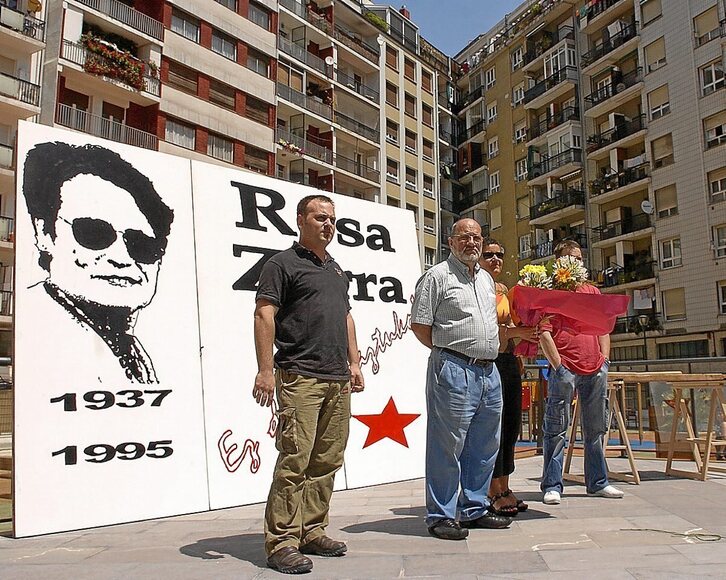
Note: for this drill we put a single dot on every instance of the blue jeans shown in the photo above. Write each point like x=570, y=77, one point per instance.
x=464, y=404
x=594, y=414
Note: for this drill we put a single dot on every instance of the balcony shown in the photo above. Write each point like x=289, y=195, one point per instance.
x=23, y=23
x=568, y=73
x=617, y=85
x=628, y=324
x=627, y=225
x=6, y=306
x=6, y=156
x=357, y=168
x=130, y=73
x=128, y=16
x=353, y=41
x=620, y=131
x=23, y=91
x=550, y=164
x=7, y=229
x=617, y=276
x=468, y=99
x=308, y=103
x=303, y=12
x=302, y=146
x=471, y=132
x=356, y=85
x=298, y=52
x=617, y=40
x=712, y=34
x=560, y=117
x=447, y=204
x=618, y=180
x=545, y=42
x=571, y=197
x=357, y=127
x=444, y=100
x=99, y=126
x=444, y=135
x=547, y=249
x=470, y=200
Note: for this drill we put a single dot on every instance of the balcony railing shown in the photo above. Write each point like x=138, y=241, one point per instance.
x=357, y=168
x=720, y=30
x=357, y=127
x=6, y=308
x=357, y=86
x=447, y=205
x=626, y=324
x=617, y=85
x=620, y=131
x=129, y=16
x=560, y=117
x=444, y=134
x=301, y=100
x=471, y=132
x=626, y=225
x=444, y=100
x=546, y=249
x=80, y=55
x=19, y=89
x=571, y=155
x=621, y=179
x=565, y=73
x=306, y=146
x=469, y=98
x=626, y=33
x=301, y=10
x=353, y=41
x=467, y=201
x=553, y=204
x=80, y=120
x=7, y=229
x=6, y=156
x=299, y=52
x=546, y=41
x=23, y=23
x=616, y=276
x=597, y=8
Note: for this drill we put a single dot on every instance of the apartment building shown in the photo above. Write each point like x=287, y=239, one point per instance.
x=612, y=132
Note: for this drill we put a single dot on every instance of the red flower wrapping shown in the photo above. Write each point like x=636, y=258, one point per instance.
x=580, y=313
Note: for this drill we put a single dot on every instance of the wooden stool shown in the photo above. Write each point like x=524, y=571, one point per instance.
x=615, y=409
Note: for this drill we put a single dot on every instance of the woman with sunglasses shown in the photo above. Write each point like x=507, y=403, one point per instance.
x=503, y=501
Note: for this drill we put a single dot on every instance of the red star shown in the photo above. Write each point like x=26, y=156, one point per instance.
x=390, y=423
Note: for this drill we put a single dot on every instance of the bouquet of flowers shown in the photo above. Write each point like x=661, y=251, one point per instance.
x=535, y=277
x=568, y=273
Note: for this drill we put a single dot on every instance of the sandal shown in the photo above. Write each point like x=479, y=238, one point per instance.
x=521, y=506
x=508, y=510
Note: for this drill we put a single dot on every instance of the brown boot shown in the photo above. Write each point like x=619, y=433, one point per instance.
x=289, y=560
x=324, y=546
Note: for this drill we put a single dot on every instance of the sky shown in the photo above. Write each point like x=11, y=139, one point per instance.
x=450, y=24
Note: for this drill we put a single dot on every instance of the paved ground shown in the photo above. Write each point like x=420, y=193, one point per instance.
x=581, y=538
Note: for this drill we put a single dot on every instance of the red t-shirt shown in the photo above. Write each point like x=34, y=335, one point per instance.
x=580, y=353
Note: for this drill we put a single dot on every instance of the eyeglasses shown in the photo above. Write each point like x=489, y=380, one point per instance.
x=466, y=237
x=95, y=234
x=490, y=255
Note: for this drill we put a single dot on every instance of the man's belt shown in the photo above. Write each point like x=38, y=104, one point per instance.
x=480, y=362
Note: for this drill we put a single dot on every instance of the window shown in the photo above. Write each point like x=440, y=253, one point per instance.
x=428, y=150
x=522, y=208
x=392, y=170
x=427, y=116
x=391, y=131
x=231, y=4
x=491, y=112
x=289, y=76
x=429, y=256
x=258, y=62
x=224, y=44
x=392, y=94
x=712, y=78
x=184, y=24
x=180, y=133
x=655, y=55
x=220, y=148
x=391, y=57
x=666, y=201
x=426, y=81
x=411, y=139
x=494, y=182
x=670, y=253
x=256, y=159
x=674, y=303
x=685, y=349
x=706, y=26
x=411, y=178
x=410, y=105
x=659, y=102
x=490, y=77
x=222, y=94
x=257, y=110
x=518, y=95
x=428, y=185
x=717, y=185
x=649, y=10
x=719, y=241
x=182, y=78
x=517, y=58
x=520, y=172
x=662, y=149
x=259, y=15
x=520, y=132
x=409, y=69
x=722, y=297
x=714, y=128
x=495, y=217
x=493, y=147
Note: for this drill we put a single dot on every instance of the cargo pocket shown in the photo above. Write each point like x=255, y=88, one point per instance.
x=286, y=441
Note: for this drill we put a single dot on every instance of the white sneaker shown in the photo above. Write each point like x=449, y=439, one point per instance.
x=608, y=491
x=551, y=497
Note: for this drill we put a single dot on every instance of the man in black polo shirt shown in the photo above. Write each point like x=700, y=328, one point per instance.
x=302, y=305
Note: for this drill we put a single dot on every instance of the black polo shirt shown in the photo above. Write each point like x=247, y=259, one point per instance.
x=311, y=333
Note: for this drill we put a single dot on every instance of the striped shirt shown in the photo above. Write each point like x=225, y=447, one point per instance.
x=461, y=310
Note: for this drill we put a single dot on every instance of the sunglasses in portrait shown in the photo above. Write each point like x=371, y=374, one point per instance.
x=490, y=255
x=96, y=234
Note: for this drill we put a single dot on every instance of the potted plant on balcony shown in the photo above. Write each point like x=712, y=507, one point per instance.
x=106, y=59
x=376, y=21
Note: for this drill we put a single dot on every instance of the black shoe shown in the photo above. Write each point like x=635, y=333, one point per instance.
x=488, y=520
x=289, y=560
x=448, y=529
